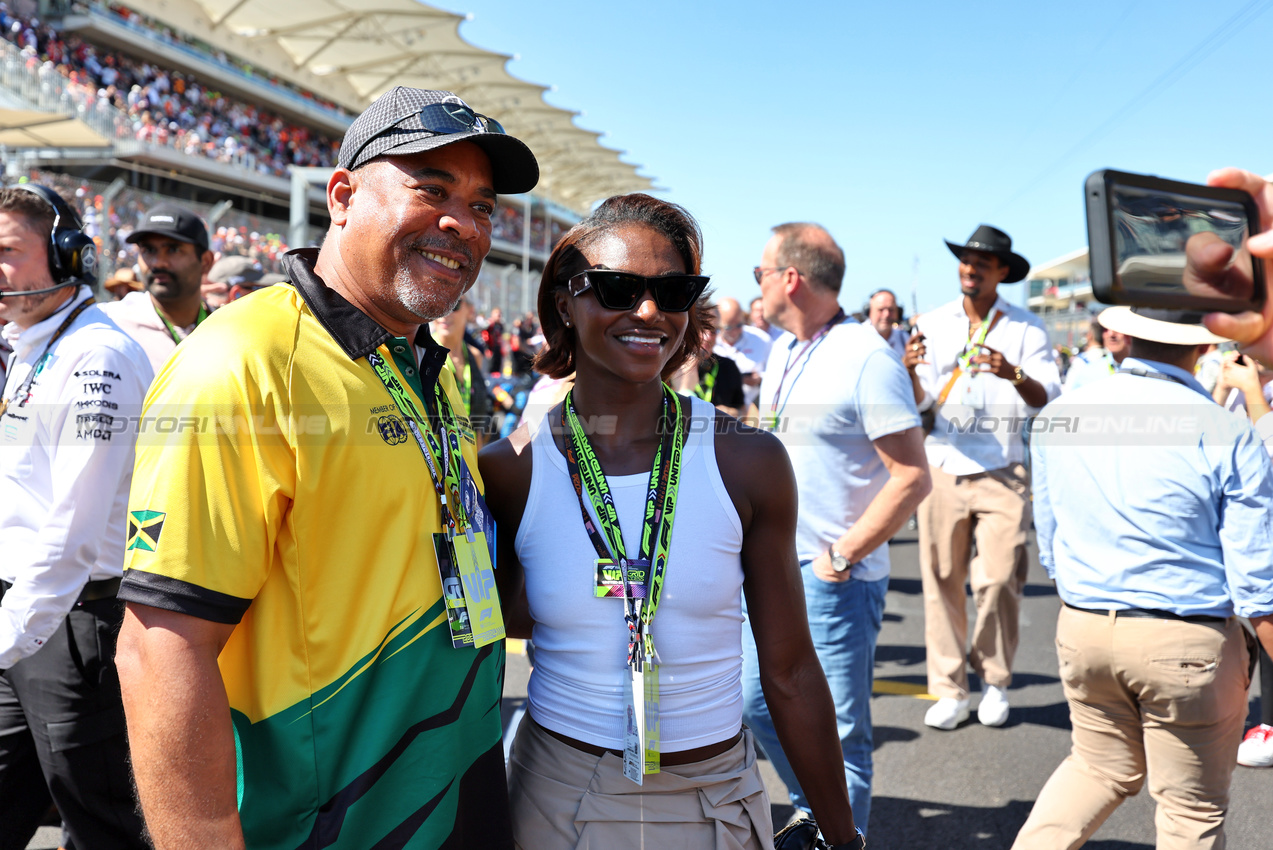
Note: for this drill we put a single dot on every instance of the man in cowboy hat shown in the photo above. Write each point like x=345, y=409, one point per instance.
x=982, y=366
x=1153, y=574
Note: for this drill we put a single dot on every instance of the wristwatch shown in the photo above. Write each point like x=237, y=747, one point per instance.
x=1018, y=377
x=858, y=843
x=839, y=563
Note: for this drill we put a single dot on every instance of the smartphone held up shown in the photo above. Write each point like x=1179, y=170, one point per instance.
x=1163, y=243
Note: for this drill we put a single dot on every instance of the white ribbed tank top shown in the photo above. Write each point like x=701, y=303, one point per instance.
x=578, y=685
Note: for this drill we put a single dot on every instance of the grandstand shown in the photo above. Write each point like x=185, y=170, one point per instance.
x=213, y=103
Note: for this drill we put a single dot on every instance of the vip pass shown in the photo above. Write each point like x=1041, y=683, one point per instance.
x=640, y=601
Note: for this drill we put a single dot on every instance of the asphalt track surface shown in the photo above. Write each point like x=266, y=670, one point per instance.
x=970, y=789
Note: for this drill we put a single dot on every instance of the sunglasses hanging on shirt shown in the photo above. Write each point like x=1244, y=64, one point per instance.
x=618, y=290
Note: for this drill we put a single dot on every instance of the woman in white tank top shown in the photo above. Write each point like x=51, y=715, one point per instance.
x=630, y=525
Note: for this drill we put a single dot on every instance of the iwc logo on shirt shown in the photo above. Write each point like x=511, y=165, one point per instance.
x=144, y=528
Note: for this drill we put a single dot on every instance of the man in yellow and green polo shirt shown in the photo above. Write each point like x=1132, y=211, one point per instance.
x=289, y=677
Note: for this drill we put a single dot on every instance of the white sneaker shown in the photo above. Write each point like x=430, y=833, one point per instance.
x=947, y=713
x=1256, y=749
x=993, y=710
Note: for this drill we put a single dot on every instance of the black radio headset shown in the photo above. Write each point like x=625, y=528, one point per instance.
x=72, y=252
x=72, y=260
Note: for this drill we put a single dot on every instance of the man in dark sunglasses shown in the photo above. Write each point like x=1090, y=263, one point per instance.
x=291, y=620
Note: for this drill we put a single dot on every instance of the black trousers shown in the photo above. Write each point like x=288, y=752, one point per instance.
x=62, y=737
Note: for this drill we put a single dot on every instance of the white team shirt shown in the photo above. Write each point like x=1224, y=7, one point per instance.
x=833, y=398
x=66, y=461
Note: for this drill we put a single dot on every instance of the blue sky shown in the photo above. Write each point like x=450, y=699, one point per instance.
x=897, y=125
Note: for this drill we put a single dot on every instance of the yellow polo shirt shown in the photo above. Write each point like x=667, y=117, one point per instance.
x=277, y=488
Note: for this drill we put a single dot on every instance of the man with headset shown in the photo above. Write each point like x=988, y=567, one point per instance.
x=66, y=458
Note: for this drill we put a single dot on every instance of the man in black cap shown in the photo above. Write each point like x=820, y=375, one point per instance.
x=980, y=366
x=290, y=675
x=173, y=255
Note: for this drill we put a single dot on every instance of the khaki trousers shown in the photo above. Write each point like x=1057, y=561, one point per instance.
x=1159, y=698
x=993, y=509
x=565, y=799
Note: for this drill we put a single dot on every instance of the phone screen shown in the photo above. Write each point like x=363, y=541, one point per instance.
x=1167, y=243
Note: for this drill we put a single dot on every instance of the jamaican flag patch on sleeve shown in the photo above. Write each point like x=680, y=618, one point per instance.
x=144, y=528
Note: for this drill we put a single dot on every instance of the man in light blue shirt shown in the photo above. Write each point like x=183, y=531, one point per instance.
x=1152, y=506
x=842, y=405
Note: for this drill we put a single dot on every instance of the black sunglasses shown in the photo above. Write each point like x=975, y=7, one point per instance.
x=441, y=119
x=616, y=290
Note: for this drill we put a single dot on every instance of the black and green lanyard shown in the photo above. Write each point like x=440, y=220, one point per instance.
x=441, y=444
x=23, y=392
x=660, y=512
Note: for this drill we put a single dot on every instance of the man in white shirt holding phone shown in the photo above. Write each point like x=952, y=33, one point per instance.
x=982, y=367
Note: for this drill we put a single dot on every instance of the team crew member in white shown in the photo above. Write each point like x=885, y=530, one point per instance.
x=66, y=460
x=982, y=366
x=844, y=411
x=172, y=252
x=620, y=305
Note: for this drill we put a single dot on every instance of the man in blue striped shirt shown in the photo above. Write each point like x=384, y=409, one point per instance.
x=1152, y=506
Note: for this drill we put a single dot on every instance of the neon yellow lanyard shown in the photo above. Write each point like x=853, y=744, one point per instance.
x=463, y=383
x=660, y=512
x=707, y=384
x=443, y=445
x=970, y=347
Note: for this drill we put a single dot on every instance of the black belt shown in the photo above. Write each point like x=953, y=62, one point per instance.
x=1149, y=613
x=107, y=588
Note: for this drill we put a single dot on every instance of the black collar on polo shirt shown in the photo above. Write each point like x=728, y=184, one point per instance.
x=354, y=331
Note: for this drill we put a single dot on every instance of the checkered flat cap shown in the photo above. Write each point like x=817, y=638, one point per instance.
x=391, y=125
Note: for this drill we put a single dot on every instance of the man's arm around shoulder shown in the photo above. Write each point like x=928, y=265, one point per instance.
x=179, y=730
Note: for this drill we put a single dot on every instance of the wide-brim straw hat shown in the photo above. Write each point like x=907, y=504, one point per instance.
x=1172, y=327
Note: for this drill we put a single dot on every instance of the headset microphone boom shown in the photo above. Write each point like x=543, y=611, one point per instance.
x=72, y=252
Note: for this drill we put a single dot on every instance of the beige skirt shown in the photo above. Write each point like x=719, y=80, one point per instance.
x=565, y=798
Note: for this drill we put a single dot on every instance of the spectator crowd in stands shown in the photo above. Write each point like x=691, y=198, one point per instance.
x=167, y=108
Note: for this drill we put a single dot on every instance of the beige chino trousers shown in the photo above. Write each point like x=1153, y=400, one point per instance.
x=991, y=509
x=1157, y=699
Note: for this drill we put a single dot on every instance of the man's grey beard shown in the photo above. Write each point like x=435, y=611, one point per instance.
x=423, y=303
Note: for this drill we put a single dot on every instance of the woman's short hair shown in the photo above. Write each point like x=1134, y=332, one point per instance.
x=557, y=357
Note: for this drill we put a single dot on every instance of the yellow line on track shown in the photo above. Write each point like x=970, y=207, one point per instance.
x=905, y=689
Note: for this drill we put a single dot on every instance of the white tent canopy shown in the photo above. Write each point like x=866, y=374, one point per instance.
x=28, y=128
x=1065, y=266
x=350, y=52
